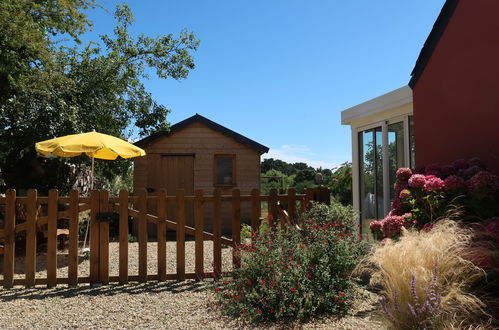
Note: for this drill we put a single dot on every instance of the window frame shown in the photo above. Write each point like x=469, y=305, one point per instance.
x=356, y=157
x=234, y=172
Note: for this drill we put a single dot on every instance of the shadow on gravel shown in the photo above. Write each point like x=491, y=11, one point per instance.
x=103, y=290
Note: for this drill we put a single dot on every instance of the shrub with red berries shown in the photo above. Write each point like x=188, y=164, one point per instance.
x=296, y=273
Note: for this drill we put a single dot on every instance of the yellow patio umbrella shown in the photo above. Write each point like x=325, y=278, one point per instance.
x=93, y=144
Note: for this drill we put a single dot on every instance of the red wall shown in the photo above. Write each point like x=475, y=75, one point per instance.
x=456, y=99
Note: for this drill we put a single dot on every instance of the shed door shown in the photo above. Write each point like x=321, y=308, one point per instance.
x=177, y=172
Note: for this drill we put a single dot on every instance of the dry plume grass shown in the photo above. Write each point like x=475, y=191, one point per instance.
x=418, y=254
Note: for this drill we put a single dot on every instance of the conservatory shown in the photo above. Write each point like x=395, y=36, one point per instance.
x=382, y=141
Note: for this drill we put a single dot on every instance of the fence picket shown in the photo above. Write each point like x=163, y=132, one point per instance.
x=292, y=204
x=30, y=261
x=10, y=238
x=142, y=235
x=217, y=232
x=52, y=239
x=199, y=226
x=309, y=192
x=236, y=225
x=123, y=228
x=104, y=239
x=94, y=237
x=180, y=235
x=161, y=234
x=73, y=238
x=256, y=209
x=272, y=207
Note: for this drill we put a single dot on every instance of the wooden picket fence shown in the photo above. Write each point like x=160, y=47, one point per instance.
x=33, y=214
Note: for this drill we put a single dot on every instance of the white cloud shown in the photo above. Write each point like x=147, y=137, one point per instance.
x=298, y=154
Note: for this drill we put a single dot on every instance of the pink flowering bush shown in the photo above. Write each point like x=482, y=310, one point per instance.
x=428, y=193
x=290, y=273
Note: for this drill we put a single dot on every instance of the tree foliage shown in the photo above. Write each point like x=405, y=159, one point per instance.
x=51, y=88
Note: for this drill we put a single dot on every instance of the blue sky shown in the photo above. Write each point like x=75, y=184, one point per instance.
x=281, y=71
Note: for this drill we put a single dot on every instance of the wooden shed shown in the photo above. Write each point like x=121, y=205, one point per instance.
x=198, y=153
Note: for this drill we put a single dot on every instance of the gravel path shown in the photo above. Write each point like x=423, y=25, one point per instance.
x=168, y=305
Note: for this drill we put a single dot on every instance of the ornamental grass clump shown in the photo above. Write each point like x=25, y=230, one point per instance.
x=291, y=272
x=427, y=279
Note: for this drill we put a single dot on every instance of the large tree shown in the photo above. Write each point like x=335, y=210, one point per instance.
x=51, y=84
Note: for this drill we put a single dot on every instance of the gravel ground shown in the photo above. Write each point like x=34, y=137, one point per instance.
x=168, y=305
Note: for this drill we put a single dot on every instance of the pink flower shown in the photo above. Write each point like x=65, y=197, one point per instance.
x=460, y=164
x=428, y=227
x=417, y=180
x=396, y=204
x=469, y=172
x=475, y=161
x=483, y=179
x=400, y=185
x=404, y=194
x=433, y=169
x=392, y=225
x=433, y=183
x=454, y=182
x=385, y=241
x=493, y=227
x=376, y=225
x=403, y=174
x=448, y=170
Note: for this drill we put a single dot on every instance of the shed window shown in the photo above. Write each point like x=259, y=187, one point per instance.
x=225, y=170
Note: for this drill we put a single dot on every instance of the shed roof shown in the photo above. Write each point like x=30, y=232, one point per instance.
x=211, y=124
x=432, y=41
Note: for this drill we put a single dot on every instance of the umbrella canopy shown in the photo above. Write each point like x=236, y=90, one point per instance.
x=93, y=144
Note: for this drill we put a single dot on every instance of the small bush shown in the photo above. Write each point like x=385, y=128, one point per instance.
x=296, y=273
x=427, y=280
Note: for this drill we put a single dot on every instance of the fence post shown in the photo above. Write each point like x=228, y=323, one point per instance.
x=104, y=239
x=217, y=232
x=94, y=237
x=74, y=213
x=52, y=239
x=142, y=235
x=199, y=228
x=309, y=192
x=272, y=207
x=236, y=226
x=123, y=272
x=256, y=210
x=292, y=205
x=161, y=234
x=10, y=238
x=323, y=195
x=180, y=235
x=30, y=261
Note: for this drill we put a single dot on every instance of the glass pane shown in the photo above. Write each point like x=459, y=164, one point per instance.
x=367, y=181
x=412, y=145
x=396, y=152
x=224, y=170
x=378, y=159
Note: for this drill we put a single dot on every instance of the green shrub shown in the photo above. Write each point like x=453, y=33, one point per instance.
x=291, y=273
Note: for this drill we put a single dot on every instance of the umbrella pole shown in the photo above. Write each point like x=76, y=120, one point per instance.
x=91, y=188
x=93, y=179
